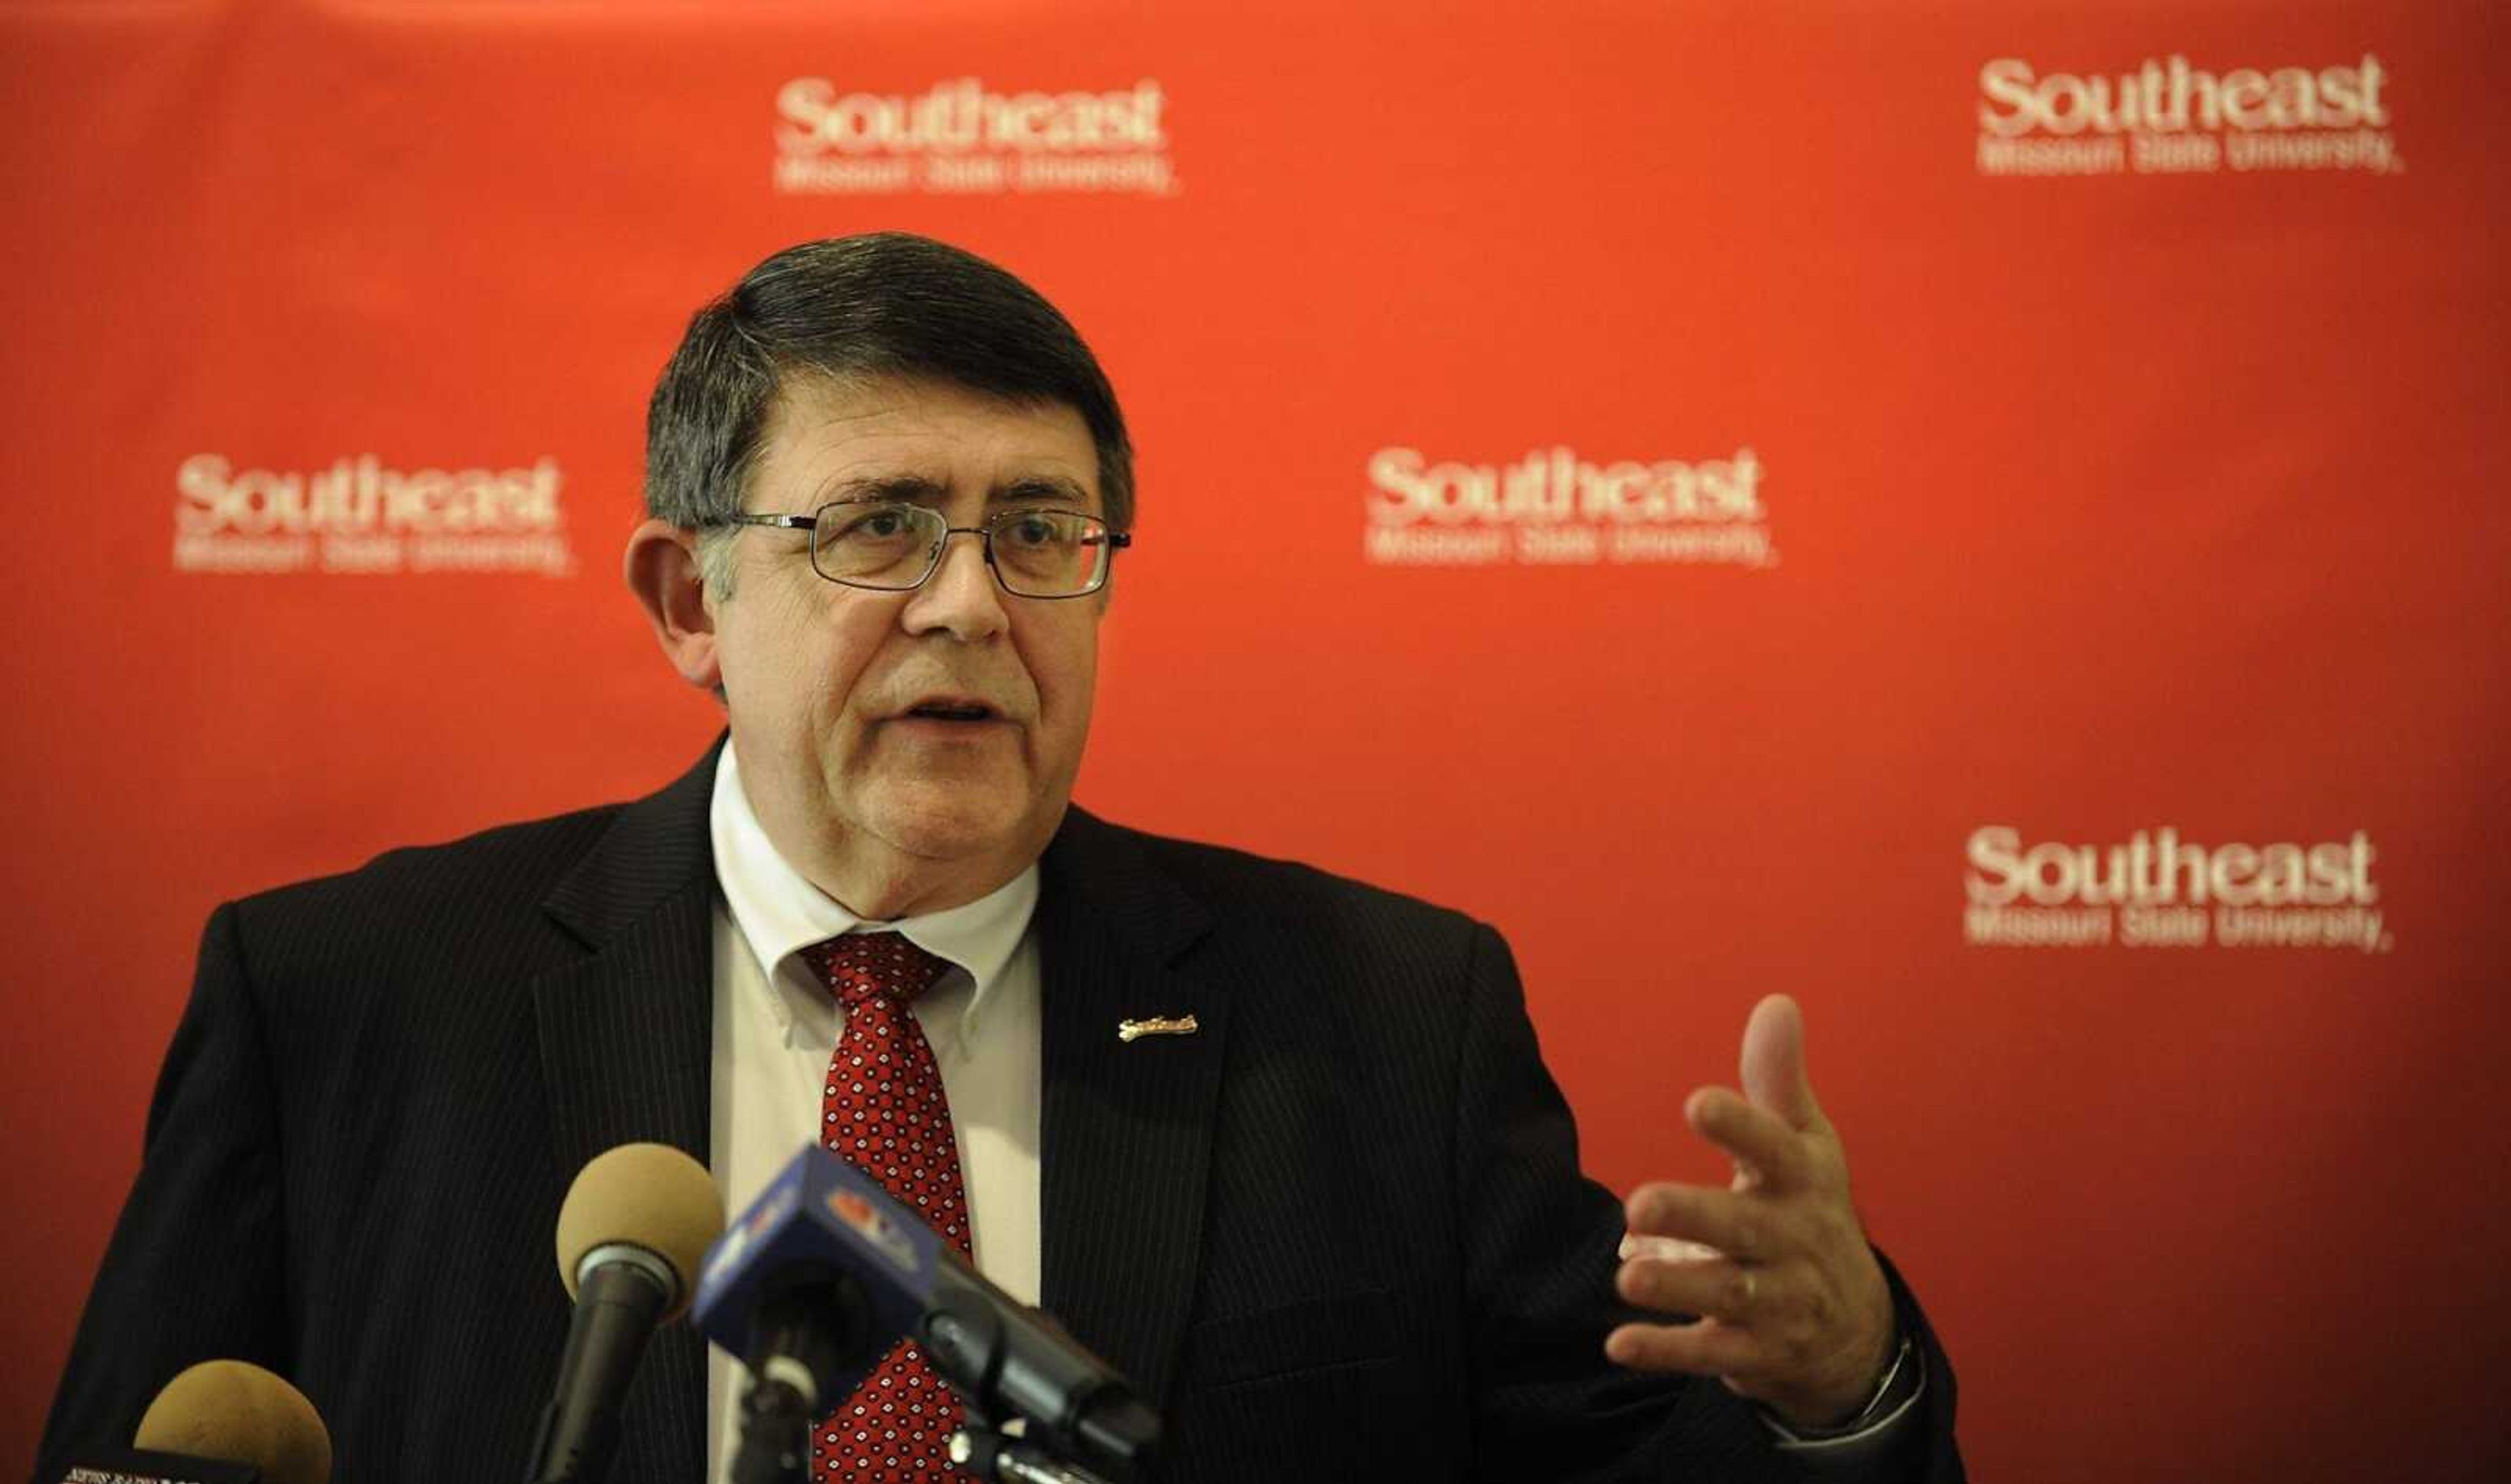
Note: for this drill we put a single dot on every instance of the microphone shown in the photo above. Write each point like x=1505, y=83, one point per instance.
x=825, y=1271
x=633, y=1226
x=220, y=1422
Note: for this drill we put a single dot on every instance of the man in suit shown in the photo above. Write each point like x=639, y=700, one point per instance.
x=1320, y=1201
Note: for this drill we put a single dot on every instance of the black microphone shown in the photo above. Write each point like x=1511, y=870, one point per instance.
x=809, y=1325
x=634, y=1224
x=221, y=1421
x=825, y=1271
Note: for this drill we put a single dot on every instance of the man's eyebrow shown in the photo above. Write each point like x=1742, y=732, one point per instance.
x=925, y=489
x=1025, y=487
x=913, y=488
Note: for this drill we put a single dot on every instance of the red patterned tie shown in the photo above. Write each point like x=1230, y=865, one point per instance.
x=885, y=1112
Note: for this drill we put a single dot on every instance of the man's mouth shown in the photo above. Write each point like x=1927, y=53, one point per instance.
x=951, y=708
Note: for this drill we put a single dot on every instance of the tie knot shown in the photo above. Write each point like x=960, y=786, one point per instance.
x=860, y=966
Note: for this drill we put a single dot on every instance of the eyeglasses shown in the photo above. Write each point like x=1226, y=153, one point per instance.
x=891, y=547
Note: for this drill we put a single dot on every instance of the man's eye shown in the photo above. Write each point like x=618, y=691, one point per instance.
x=880, y=523
x=1039, y=530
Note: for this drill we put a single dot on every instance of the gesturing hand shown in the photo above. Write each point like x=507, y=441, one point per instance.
x=1791, y=1308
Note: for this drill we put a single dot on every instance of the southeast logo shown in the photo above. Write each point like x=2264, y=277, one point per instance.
x=2168, y=116
x=1554, y=506
x=964, y=138
x=2161, y=889
x=362, y=517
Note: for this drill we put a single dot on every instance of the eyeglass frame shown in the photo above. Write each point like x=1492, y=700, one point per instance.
x=1117, y=540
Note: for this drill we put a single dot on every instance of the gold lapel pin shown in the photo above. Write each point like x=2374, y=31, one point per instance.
x=1157, y=1026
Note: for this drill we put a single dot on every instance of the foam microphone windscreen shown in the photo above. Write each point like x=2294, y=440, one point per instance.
x=648, y=1195
x=240, y=1413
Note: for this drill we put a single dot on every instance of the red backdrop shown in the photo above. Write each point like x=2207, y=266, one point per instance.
x=2007, y=433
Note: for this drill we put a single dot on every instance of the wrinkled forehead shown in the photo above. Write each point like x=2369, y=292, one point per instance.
x=932, y=442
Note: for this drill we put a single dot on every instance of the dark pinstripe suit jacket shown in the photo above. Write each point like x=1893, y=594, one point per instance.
x=1338, y=1234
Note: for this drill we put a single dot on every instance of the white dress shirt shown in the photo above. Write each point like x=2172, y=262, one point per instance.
x=776, y=1027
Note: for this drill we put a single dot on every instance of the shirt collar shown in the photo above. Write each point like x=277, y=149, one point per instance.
x=778, y=913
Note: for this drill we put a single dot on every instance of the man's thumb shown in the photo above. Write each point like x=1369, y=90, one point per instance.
x=1774, y=1062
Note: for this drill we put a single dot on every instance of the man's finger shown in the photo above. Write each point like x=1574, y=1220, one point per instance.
x=1757, y=1137
x=1735, y=1225
x=1716, y=1289
x=1665, y=1249
x=1774, y=1063
x=1705, y=1349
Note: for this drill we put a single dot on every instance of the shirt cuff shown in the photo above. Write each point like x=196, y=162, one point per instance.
x=1864, y=1437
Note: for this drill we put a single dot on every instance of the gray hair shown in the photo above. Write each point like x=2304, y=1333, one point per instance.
x=846, y=309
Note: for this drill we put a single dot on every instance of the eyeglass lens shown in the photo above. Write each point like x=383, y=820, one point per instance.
x=1036, y=552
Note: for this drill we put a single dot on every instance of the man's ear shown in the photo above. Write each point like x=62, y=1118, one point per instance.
x=662, y=571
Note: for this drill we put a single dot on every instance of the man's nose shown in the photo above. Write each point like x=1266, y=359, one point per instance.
x=961, y=599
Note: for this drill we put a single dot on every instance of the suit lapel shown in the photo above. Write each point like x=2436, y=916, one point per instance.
x=1126, y=1130
x=627, y=1036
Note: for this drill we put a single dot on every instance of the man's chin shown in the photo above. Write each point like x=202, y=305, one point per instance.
x=947, y=827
